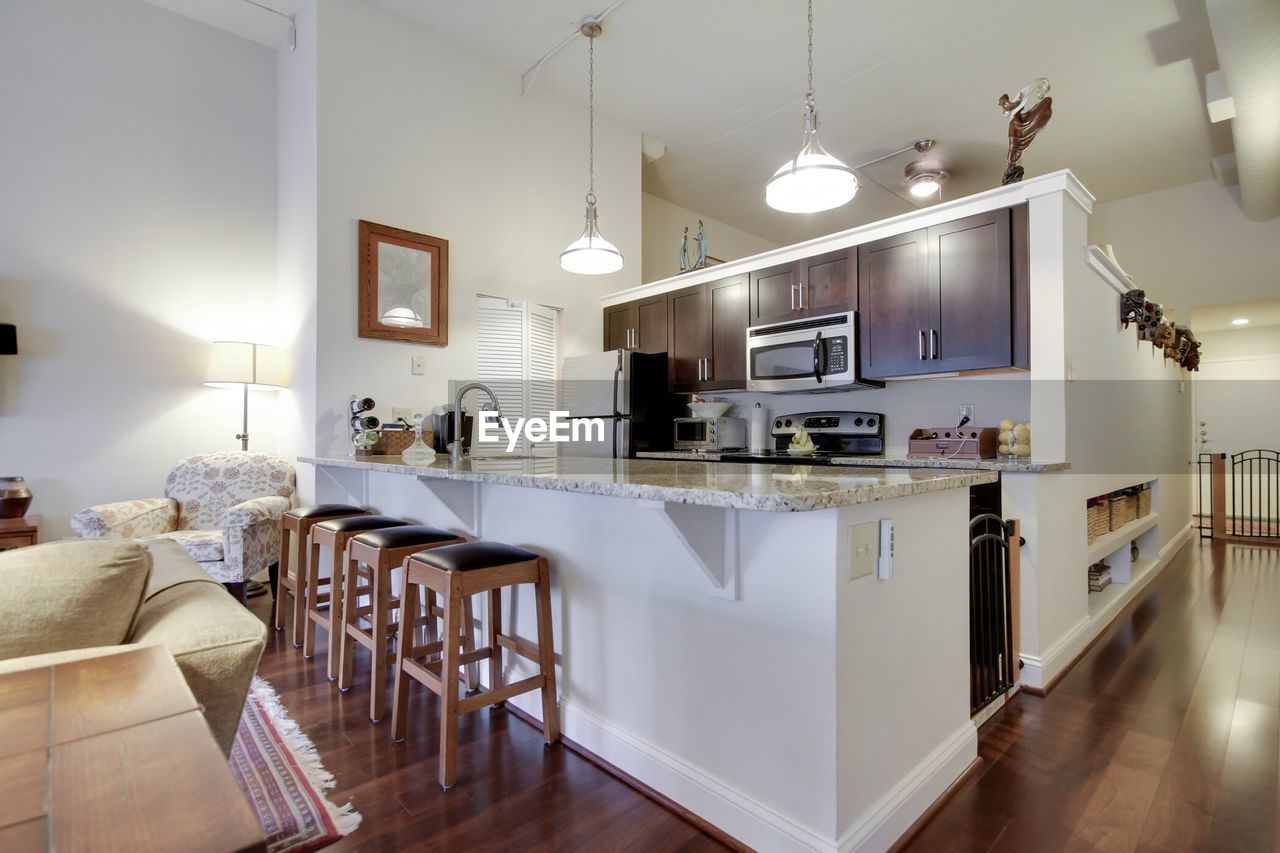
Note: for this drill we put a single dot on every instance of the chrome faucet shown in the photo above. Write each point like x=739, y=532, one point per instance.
x=456, y=453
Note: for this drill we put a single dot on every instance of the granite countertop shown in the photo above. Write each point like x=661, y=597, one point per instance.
x=1029, y=467
x=769, y=488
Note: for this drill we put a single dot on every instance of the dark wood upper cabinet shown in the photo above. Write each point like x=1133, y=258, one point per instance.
x=773, y=294
x=823, y=284
x=617, y=326
x=970, y=292
x=687, y=344
x=940, y=299
x=639, y=325
x=708, y=324
x=893, y=304
x=726, y=365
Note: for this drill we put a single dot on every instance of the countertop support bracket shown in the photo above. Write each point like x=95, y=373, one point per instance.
x=459, y=499
x=710, y=536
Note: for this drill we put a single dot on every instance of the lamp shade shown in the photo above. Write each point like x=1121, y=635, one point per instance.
x=235, y=363
x=8, y=339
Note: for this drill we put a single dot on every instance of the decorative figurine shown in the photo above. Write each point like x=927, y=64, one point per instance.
x=1131, y=307
x=684, y=250
x=1028, y=114
x=702, y=247
x=1150, y=321
x=1163, y=336
x=1191, y=358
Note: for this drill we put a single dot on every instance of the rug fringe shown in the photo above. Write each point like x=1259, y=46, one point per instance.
x=345, y=818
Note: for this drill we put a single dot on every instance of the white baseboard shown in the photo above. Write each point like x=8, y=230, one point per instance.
x=887, y=821
x=748, y=820
x=1047, y=668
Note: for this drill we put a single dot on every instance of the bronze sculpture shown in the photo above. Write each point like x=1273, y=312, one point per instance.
x=1028, y=114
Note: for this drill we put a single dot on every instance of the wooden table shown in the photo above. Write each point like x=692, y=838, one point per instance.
x=113, y=753
x=19, y=532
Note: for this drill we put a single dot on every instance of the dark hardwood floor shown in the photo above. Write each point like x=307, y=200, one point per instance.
x=1164, y=736
x=513, y=792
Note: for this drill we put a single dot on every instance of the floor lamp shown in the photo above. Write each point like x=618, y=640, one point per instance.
x=250, y=367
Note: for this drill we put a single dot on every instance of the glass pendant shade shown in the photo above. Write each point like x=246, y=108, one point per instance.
x=401, y=316
x=813, y=180
x=591, y=254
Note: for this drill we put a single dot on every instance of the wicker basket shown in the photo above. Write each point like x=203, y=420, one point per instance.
x=1144, y=502
x=1099, y=516
x=1124, y=509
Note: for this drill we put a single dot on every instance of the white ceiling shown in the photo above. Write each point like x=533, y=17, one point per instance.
x=720, y=83
x=240, y=17
x=1217, y=318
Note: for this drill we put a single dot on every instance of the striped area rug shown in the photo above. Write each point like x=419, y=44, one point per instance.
x=280, y=773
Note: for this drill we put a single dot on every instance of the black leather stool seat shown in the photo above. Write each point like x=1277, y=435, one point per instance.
x=474, y=555
x=404, y=537
x=361, y=522
x=323, y=510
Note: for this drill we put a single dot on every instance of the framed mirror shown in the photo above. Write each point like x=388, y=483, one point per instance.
x=404, y=285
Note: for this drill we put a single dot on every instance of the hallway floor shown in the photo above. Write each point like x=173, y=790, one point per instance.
x=1164, y=736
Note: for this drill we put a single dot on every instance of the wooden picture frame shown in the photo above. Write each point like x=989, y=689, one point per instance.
x=404, y=285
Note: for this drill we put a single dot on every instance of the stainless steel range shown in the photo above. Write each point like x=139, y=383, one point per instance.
x=834, y=434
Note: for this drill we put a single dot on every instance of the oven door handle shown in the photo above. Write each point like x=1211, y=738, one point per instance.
x=819, y=358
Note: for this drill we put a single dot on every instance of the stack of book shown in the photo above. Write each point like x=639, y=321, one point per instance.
x=1099, y=576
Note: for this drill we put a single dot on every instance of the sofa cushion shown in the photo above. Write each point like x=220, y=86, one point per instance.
x=215, y=640
x=171, y=565
x=70, y=595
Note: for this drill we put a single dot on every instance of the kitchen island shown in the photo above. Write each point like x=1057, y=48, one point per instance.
x=722, y=634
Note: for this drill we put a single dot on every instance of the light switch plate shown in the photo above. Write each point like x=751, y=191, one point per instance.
x=418, y=365
x=884, y=567
x=864, y=543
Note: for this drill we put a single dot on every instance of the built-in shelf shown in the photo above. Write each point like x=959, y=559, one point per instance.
x=1102, y=605
x=1106, y=545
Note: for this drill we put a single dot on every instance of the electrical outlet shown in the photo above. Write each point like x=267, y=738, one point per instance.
x=398, y=412
x=966, y=414
x=864, y=542
x=418, y=365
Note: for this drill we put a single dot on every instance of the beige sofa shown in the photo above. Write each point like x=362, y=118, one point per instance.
x=80, y=599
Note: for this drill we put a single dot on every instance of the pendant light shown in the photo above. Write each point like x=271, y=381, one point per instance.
x=812, y=180
x=591, y=254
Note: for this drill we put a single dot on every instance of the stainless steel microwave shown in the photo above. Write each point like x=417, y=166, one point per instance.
x=812, y=354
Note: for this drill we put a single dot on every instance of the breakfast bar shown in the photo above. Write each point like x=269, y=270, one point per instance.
x=725, y=633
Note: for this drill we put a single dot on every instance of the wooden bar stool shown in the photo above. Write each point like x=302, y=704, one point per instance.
x=370, y=558
x=335, y=533
x=298, y=522
x=457, y=572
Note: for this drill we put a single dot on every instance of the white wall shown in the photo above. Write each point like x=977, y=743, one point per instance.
x=417, y=133
x=297, y=250
x=137, y=223
x=1191, y=245
x=664, y=222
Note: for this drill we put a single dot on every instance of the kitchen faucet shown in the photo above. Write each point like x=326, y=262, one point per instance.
x=456, y=453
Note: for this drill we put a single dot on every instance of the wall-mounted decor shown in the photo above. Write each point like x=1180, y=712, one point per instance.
x=404, y=285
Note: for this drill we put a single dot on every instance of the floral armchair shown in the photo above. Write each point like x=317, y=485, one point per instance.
x=223, y=508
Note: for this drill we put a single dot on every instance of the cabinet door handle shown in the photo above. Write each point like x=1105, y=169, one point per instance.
x=635, y=339
x=699, y=370
x=707, y=369
x=933, y=343
x=921, y=345
x=800, y=287
x=793, y=297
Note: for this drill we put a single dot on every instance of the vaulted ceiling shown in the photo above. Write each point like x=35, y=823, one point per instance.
x=720, y=84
